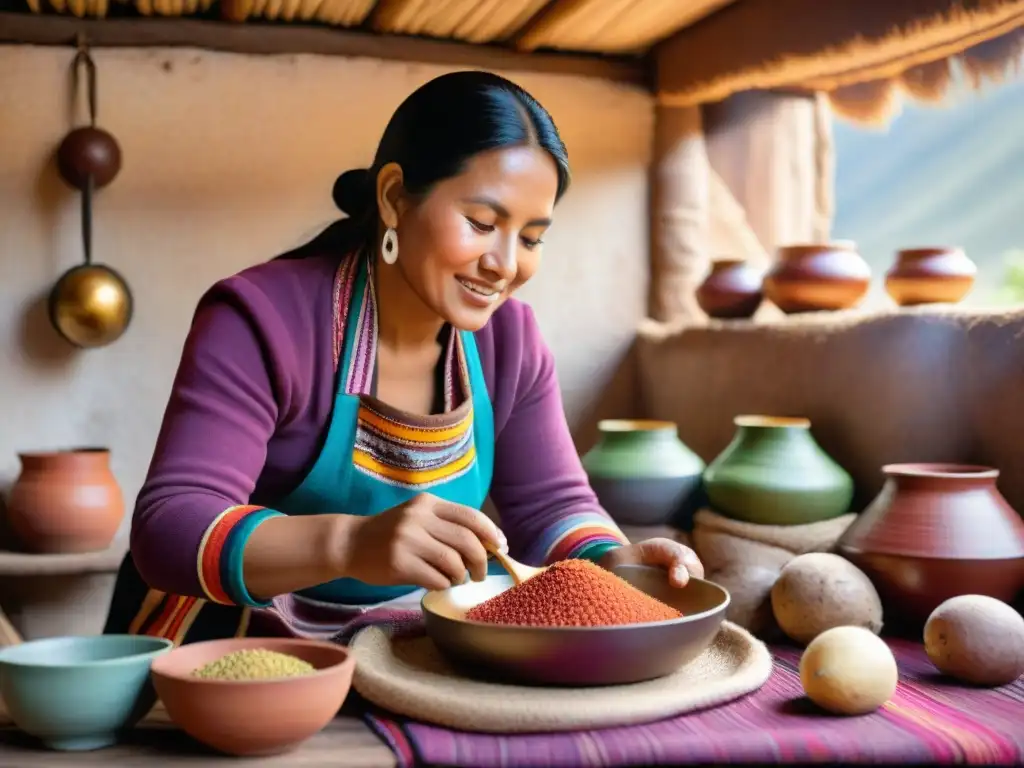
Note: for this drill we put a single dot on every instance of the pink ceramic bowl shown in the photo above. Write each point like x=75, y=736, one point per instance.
x=253, y=717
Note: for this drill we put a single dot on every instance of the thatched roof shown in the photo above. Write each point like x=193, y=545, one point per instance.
x=593, y=26
x=876, y=101
x=700, y=50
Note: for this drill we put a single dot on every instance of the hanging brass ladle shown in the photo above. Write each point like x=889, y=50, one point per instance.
x=91, y=304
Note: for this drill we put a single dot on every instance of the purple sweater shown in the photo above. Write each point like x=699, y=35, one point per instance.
x=250, y=408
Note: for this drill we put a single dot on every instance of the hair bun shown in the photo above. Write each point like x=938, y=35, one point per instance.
x=352, y=192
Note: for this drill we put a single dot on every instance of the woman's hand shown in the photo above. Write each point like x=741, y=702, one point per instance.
x=426, y=541
x=680, y=562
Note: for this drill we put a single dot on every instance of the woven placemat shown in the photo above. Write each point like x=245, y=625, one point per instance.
x=409, y=677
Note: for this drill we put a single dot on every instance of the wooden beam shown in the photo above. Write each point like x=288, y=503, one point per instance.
x=270, y=39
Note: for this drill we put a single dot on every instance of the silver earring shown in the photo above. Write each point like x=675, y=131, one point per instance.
x=389, y=246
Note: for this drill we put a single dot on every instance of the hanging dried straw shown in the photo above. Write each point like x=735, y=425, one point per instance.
x=876, y=102
x=344, y=13
x=611, y=26
x=230, y=10
x=872, y=103
x=83, y=9
x=172, y=7
x=994, y=60
x=928, y=82
x=476, y=21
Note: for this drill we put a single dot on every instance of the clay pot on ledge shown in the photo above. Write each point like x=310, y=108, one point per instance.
x=775, y=473
x=65, y=502
x=642, y=473
x=731, y=291
x=930, y=276
x=936, y=531
x=817, y=277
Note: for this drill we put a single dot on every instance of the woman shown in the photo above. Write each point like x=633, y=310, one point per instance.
x=341, y=413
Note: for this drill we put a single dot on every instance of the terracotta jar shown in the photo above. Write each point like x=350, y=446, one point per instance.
x=930, y=276
x=65, y=501
x=732, y=290
x=936, y=531
x=642, y=473
x=825, y=276
x=773, y=472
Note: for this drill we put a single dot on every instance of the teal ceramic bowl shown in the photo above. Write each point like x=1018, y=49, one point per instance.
x=79, y=693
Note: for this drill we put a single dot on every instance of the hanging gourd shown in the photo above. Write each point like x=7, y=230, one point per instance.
x=91, y=304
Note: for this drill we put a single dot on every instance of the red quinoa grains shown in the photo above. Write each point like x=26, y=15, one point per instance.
x=572, y=593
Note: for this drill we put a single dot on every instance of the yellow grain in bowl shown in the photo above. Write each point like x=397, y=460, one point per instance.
x=254, y=664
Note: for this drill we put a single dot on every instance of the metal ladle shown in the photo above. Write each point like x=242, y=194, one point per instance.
x=91, y=304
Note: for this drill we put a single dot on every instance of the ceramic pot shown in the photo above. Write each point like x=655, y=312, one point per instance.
x=774, y=473
x=930, y=276
x=732, y=290
x=936, y=531
x=826, y=276
x=65, y=502
x=642, y=473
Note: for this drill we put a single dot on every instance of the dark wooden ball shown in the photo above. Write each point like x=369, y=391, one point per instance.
x=88, y=151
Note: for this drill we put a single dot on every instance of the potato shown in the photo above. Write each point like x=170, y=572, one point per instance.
x=976, y=639
x=819, y=591
x=848, y=671
x=750, y=589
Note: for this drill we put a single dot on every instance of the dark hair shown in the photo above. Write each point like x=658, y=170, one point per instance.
x=432, y=135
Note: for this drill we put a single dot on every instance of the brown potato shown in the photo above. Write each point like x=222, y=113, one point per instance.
x=976, y=639
x=819, y=591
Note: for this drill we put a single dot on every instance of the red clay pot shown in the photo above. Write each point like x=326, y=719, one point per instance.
x=731, y=291
x=936, y=531
x=65, y=502
x=930, y=276
x=815, y=277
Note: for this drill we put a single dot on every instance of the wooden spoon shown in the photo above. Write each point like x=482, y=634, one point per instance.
x=518, y=571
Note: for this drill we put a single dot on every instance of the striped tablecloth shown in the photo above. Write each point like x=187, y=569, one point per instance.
x=930, y=719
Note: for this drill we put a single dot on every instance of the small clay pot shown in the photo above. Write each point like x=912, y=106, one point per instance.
x=65, y=502
x=930, y=276
x=732, y=290
x=816, y=277
x=937, y=531
x=642, y=473
x=773, y=472
x=85, y=152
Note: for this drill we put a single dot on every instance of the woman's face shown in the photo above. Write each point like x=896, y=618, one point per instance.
x=476, y=238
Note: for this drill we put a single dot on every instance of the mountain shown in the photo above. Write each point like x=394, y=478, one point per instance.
x=950, y=174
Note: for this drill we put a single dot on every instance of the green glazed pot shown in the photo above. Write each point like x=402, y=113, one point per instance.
x=774, y=473
x=642, y=473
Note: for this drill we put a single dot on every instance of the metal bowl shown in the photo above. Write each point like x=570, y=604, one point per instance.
x=577, y=656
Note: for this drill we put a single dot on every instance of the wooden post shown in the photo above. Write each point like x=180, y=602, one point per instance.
x=679, y=214
x=774, y=152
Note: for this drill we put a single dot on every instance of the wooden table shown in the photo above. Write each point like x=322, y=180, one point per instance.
x=346, y=741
